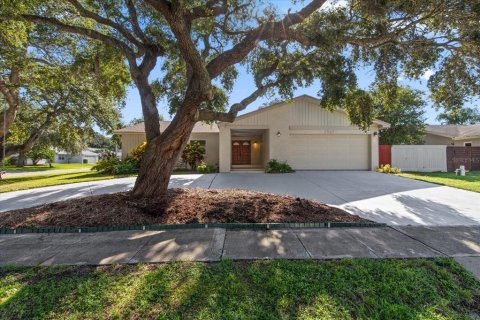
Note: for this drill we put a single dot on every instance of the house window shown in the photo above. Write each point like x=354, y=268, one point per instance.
x=467, y=144
x=201, y=142
x=61, y=158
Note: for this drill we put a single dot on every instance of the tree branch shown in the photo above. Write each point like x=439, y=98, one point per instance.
x=107, y=22
x=278, y=30
x=93, y=34
x=132, y=12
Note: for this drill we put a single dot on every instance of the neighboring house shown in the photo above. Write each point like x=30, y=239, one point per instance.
x=85, y=156
x=298, y=131
x=453, y=135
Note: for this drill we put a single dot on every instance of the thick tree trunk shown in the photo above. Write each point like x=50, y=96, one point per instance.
x=160, y=159
x=21, y=159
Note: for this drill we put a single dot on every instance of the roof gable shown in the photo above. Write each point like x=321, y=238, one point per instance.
x=310, y=100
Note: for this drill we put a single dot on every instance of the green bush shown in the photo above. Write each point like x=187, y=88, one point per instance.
x=106, y=165
x=193, y=154
x=206, y=168
x=136, y=155
x=106, y=154
x=386, y=168
x=125, y=167
x=274, y=166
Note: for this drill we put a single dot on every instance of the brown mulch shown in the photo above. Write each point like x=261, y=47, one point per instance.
x=175, y=207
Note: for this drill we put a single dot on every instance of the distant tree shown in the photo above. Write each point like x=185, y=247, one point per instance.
x=101, y=142
x=460, y=116
x=51, y=81
x=406, y=115
x=40, y=152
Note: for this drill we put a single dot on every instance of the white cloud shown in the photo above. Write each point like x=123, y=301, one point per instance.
x=427, y=74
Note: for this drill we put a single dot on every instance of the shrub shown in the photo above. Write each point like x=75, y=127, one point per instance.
x=107, y=154
x=274, y=166
x=193, y=154
x=386, y=168
x=106, y=165
x=206, y=168
x=125, y=167
x=136, y=155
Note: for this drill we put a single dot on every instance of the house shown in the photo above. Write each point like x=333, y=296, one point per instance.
x=298, y=131
x=455, y=135
x=86, y=156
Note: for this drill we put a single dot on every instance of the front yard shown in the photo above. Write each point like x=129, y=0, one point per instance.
x=278, y=289
x=470, y=182
x=46, y=167
x=14, y=183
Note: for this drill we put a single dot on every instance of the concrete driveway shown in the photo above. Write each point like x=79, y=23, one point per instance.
x=379, y=197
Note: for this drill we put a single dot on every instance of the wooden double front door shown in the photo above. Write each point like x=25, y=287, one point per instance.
x=241, y=152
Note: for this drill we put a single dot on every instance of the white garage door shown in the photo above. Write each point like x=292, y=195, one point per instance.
x=329, y=152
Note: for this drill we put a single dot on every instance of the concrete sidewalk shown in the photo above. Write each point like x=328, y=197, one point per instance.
x=462, y=243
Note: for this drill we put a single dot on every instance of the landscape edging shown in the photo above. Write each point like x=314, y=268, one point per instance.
x=229, y=226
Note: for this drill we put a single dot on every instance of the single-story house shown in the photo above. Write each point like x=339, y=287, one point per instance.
x=453, y=135
x=298, y=131
x=86, y=156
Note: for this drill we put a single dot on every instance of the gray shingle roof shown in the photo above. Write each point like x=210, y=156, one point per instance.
x=454, y=131
x=200, y=127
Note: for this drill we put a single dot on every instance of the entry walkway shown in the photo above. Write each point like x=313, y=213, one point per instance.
x=462, y=243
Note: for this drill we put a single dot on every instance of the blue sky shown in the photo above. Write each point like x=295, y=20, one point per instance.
x=245, y=85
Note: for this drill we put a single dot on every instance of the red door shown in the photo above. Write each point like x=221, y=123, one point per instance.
x=241, y=152
x=384, y=154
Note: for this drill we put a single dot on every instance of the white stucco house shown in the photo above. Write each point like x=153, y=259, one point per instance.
x=86, y=156
x=298, y=131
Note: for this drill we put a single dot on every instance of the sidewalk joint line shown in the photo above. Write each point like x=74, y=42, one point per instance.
x=415, y=239
x=211, y=182
x=303, y=245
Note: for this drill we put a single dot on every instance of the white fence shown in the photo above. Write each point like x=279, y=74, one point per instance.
x=426, y=158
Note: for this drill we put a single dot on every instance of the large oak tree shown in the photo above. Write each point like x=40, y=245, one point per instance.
x=199, y=44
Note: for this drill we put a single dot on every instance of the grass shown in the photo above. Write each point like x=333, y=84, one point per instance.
x=279, y=289
x=471, y=181
x=46, y=167
x=28, y=182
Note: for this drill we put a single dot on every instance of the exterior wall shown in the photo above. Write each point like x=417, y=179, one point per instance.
x=426, y=158
x=432, y=139
x=461, y=143
x=132, y=140
x=225, y=148
x=301, y=116
x=211, y=146
x=75, y=159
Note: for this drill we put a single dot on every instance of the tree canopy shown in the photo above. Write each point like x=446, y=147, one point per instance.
x=199, y=45
x=56, y=87
x=406, y=115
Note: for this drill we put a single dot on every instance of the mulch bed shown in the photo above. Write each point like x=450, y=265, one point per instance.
x=177, y=206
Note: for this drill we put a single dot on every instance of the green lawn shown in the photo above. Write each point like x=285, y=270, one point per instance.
x=28, y=182
x=281, y=289
x=46, y=167
x=471, y=181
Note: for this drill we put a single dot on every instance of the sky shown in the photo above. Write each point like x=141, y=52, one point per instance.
x=245, y=85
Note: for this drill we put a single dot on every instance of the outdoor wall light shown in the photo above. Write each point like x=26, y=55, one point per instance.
x=375, y=133
x=278, y=134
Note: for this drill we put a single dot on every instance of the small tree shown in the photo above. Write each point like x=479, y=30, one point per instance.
x=193, y=153
x=406, y=115
x=40, y=152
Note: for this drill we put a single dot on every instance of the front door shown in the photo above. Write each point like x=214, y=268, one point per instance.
x=241, y=152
